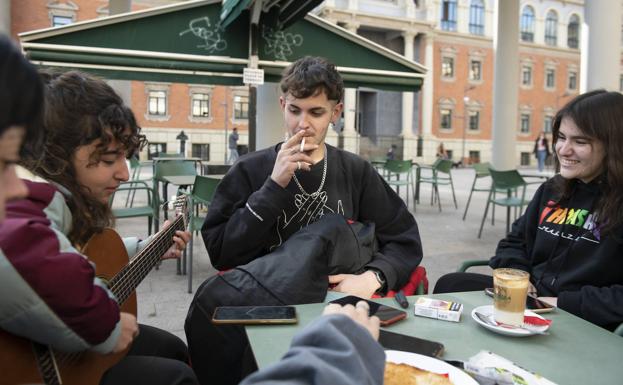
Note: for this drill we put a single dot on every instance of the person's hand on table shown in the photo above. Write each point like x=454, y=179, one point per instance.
x=180, y=240
x=362, y=285
x=359, y=313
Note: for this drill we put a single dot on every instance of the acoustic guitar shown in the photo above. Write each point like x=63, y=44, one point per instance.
x=25, y=362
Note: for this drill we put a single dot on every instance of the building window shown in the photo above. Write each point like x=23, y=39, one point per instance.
x=154, y=149
x=448, y=15
x=551, y=28
x=526, y=26
x=572, y=83
x=446, y=118
x=525, y=159
x=475, y=67
x=526, y=76
x=447, y=67
x=573, y=32
x=241, y=107
x=58, y=20
x=474, y=157
x=157, y=103
x=477, y=17
x=201, y=150
x=550, y=78
x=474, y=120
x=547, y=123
x=200, y=105
x=525, y=123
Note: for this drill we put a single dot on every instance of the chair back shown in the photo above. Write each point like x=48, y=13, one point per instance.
x=399, y=166
x=507, y=180
x=174, y=167
x=204, y=188
x=482, y=169
x=170, y=155
x=443, y=165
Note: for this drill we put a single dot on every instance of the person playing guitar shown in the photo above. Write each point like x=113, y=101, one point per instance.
x=56, y=298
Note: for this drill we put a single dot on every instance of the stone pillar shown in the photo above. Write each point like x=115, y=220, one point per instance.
x=407, y=97
x=5, y=17
x=122, y=87
x=427, y=99
x=600, y=46
x=350, y=135
x=270, y=126
x=505, y=88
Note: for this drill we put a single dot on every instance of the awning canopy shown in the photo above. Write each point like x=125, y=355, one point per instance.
x=187, y=43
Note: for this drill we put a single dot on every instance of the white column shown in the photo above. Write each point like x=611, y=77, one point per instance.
x=407, y=97
x=505, y=45
x=427, y=88
x=350, y=135
x=600, y=47
x=124, y=87
x=5, y=17
x=270, y=127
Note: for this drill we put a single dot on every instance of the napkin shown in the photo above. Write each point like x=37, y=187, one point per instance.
x=489, y=369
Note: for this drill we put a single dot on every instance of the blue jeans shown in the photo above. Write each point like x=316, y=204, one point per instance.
x=541, y=155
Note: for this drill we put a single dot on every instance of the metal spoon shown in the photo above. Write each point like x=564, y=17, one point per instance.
x=490, y=321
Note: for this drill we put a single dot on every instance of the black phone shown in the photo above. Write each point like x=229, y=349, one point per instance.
x=253, y=315
x=387, y=314
x=395, y=341
x=532, y=303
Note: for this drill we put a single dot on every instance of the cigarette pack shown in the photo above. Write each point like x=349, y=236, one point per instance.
x=440, y=309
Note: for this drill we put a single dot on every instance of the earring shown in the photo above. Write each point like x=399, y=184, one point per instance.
x=331, y=126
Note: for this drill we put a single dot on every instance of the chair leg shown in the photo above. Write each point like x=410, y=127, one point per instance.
x=508, y=219
x=456, y=206
x=469, y=199
x=190, y=267
x=437, y=195
x=149, y=220
x=484, y=217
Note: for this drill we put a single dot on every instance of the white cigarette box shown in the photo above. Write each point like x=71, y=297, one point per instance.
x=439, y=309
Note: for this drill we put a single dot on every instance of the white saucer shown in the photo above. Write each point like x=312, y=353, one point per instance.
x=487, y=310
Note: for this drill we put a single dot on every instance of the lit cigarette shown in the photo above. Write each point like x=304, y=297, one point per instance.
x=302, y=144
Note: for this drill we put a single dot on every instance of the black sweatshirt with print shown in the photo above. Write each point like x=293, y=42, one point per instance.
x=251, y=215
x=566, y=255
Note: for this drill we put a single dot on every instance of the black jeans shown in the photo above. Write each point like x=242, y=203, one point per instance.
x=156, y=357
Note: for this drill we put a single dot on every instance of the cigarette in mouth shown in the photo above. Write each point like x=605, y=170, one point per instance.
x=302, y=144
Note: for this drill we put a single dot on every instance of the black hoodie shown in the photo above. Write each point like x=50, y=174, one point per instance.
x=567, y=256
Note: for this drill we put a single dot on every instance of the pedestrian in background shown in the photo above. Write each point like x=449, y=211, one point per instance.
x=541, y=150
x=233, y=146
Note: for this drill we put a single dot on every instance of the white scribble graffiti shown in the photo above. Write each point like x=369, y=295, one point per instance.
x=279, y=43
x=212, y=36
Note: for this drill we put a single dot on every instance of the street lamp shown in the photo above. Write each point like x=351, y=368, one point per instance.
x=465, y=120
x=182, y=137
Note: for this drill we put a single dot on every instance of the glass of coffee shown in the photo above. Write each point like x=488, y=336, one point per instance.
x=510, y=288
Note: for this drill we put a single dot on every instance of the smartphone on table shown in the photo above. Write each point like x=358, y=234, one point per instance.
x=254, y=315
x=532, y=303
x=387, y=314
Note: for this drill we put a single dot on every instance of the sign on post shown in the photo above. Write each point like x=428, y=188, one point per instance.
x=253, y=76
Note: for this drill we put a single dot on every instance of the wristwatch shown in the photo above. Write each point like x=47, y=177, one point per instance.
x=380, y=278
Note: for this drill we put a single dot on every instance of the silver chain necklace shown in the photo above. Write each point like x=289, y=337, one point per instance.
x=324, y=176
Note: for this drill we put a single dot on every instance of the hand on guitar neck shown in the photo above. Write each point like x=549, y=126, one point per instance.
x=129, y=331
x=180, y=240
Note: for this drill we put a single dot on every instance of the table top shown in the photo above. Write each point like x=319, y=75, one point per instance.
x=575, y=351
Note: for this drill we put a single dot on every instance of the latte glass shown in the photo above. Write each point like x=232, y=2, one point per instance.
x=510, y=288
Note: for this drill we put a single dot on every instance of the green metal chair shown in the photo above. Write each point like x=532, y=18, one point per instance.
x=135, y=175
x=440, y=174
x=399, y=173
x=171, y=167
x=149, y=210
x=201, y=194
x=481, y=171
x=509, y=181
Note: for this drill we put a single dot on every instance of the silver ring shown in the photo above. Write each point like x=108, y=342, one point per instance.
x=298, y=165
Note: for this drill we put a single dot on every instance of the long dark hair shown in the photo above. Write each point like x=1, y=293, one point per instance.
x=79, y=109
x=21, y=91
x=599, y=115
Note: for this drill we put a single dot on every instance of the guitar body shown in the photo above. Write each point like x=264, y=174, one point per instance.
x=17, y=359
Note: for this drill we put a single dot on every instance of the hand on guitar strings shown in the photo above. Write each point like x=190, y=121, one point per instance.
x=180, y=240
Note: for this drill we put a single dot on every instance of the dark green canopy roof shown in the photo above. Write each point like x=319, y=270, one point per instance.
x=186, y=42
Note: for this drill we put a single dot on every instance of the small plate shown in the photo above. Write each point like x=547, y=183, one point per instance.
x=457, y=376
x=487, y=310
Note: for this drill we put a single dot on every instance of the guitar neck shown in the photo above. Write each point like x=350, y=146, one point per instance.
x=126, y=281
